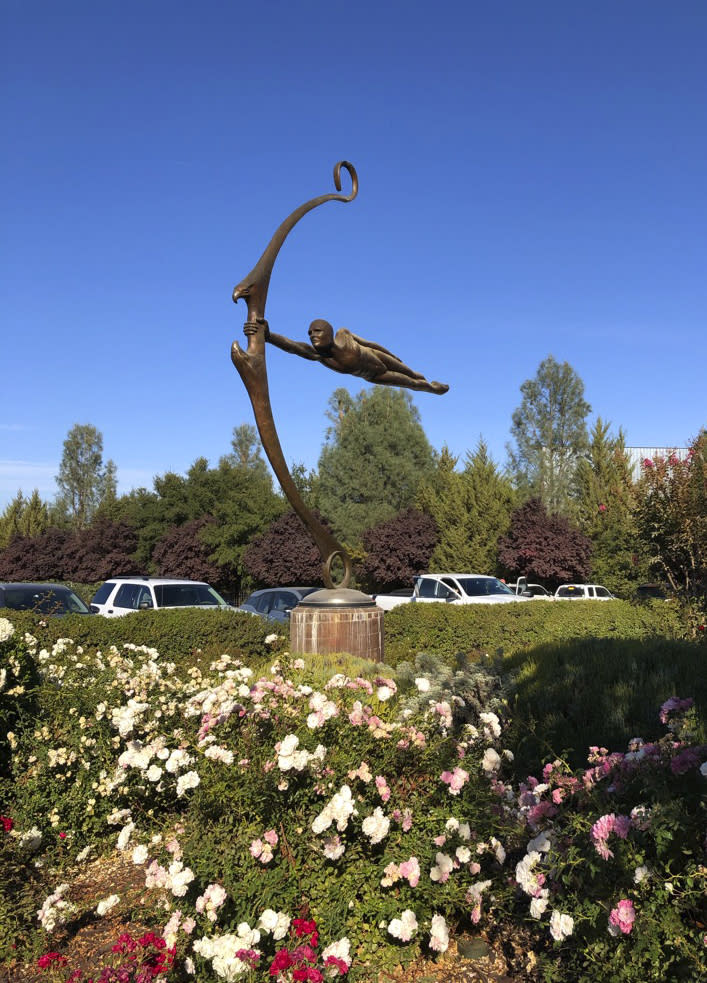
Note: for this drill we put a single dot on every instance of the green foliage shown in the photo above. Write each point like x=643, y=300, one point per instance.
x=443, y=495
x=472, y=509
x=474, y=629
x=23, y=517
x=490, y=504
x=469, y=688
x=18, y=683
x=81, y=772
x=606, y=496
x=550, y=433
x=84, y=481
x=628, y=678
x=238, y=496
x=374, y=460
x=20, y=886
x=184, y=636
x=246, y=450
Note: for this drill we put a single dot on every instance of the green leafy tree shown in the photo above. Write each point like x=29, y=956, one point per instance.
x=672, y=517
x=84, y=481
x=242, y=503
x=246, y=451
x=550, y=433
x=606, y=498
x=35, y=518
x=238, y=498
x=307, y=484
x=374, y=459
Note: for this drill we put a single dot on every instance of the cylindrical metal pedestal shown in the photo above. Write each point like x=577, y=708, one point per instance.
x=340, y=620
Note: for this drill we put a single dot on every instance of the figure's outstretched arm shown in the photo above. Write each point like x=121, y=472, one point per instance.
x=288, y=345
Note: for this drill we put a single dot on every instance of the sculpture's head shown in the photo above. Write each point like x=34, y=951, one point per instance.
x=321, y=335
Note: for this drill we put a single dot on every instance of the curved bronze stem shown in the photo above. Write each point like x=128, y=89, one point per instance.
x=253, y=371
x=254, y=287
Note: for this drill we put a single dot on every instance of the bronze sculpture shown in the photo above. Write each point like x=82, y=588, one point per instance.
x=342, y=352
x=346, y=352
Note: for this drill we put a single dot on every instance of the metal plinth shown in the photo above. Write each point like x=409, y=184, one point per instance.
x=339, y=620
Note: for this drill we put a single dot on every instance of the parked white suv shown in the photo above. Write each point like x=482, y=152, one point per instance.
x=122, y=595
x=583, y=592
x=463, y=588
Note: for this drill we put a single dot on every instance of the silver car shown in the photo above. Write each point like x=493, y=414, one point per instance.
x=275, y=603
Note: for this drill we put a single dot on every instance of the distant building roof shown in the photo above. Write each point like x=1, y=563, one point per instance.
x=637, y=455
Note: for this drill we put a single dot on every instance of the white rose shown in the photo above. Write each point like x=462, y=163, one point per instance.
x=106, y=904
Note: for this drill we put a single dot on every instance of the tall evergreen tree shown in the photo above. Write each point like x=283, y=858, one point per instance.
x=23, y=517
x=606, y=498
x=550, y=433
x=444, y=496
x=11, y=520
x=84, y=481
x=472, y=508
x=374, y=459
x=490, y=501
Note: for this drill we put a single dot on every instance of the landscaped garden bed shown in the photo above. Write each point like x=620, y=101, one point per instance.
x=252, y=816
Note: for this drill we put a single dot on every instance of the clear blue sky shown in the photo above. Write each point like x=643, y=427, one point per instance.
x=532, y=182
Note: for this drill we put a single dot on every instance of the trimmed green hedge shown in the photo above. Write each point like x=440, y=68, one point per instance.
x=598, y=691
x=182, y=635
x=478, y=629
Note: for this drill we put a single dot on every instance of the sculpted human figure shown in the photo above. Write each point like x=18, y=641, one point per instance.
x=346, y=352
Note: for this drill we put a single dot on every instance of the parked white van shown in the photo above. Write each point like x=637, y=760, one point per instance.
x=122, y=595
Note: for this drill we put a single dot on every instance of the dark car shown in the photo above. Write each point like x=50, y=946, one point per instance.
x=50, y=599
x=275, y=603
x=652, y=592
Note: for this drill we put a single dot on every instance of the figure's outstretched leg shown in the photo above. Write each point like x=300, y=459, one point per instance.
x=393, y=364
x=418, y=383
